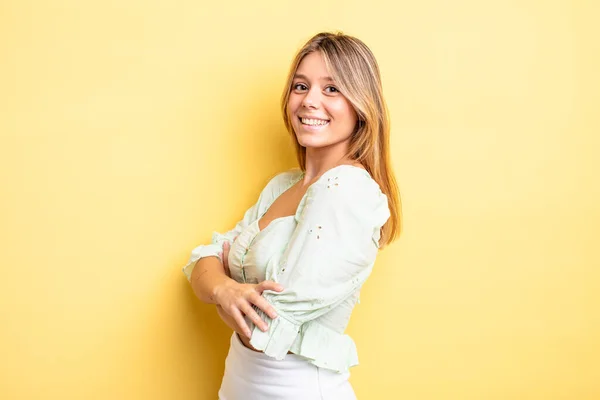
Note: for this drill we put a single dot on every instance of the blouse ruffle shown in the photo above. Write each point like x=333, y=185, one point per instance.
x=320, y=345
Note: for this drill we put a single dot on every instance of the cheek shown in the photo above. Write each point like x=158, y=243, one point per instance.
x=293, y=103
x=343, y=111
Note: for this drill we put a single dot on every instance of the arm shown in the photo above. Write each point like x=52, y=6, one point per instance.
x=205, y=271
x=207, y=276
x=215, y=247
x=329, y=257
x=211, y=285
x=228, y=319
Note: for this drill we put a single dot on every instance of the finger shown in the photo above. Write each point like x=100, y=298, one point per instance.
x=250, y=313
x=269, y=285
x=239, y=319
x=264, y=305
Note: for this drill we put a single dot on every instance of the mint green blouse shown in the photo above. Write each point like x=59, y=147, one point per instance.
x=322, y=255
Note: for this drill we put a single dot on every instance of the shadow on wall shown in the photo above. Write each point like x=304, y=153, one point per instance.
x=204, y=343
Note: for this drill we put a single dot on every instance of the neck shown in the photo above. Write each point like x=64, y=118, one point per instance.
x=320, y=160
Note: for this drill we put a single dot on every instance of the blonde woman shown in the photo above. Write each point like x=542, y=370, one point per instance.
x=287, y=277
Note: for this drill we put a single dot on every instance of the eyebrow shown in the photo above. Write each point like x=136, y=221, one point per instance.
x=323, y=78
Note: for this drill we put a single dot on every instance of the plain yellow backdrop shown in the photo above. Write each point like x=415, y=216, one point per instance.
x=130, y=130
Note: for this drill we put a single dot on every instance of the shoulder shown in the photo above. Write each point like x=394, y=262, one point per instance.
x=285, y=178
x=279, y=183
x=282, y=181
x=348, y=178
x=350, y=190
x=353, y=186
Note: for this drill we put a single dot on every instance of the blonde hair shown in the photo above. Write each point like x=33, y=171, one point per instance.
x=356, y=74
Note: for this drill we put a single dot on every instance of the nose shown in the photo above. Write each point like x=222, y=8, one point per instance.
x=312, y=98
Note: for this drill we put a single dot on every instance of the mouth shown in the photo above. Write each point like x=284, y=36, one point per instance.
x=313, y=123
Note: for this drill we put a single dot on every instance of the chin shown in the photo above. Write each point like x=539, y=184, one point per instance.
x=309, y=141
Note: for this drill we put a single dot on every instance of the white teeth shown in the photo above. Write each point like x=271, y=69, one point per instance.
x=309, y=121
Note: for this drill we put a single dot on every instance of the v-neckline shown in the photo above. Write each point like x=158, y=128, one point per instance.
x=294, y=181
x=302, y=200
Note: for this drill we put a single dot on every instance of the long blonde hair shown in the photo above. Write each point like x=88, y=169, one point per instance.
x=356, y=73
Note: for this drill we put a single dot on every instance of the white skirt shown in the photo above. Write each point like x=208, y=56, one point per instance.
x=251, y=375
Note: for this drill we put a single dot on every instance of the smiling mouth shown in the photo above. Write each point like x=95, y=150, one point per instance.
x=313, y=121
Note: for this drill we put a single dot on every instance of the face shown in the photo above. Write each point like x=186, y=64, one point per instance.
x=320, y=114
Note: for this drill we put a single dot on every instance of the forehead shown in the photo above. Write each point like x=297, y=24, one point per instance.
x=313, y=65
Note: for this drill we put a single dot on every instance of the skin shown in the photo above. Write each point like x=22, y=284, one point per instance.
x=211, y=285
x=314, y=95
x=230, y=321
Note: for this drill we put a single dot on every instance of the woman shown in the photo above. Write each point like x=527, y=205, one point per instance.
x=287, y=277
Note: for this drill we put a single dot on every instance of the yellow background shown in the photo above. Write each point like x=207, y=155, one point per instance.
x=129, y=130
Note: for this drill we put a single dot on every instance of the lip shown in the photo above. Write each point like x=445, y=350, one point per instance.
x=319, y=118
x=313, y=128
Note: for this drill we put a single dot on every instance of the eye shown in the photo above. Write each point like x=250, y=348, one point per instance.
x=299, y=86
x=331, y=89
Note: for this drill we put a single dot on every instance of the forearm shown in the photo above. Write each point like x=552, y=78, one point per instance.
x=207, y=277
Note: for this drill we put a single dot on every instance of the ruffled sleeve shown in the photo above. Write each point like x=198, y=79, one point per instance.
x=218, y=239
x=328, y=258
x=277, y=184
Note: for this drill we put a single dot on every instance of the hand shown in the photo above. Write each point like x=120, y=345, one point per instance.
x=236, y=300
x=229, y=321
